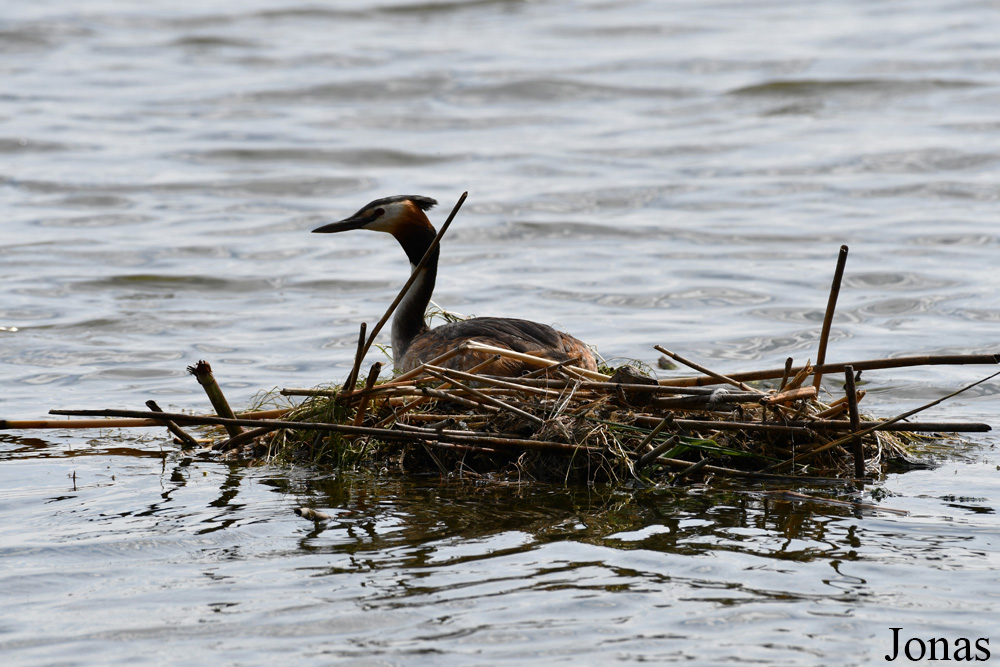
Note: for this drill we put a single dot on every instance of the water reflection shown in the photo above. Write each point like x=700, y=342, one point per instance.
x=474, y=561
x=381, y=514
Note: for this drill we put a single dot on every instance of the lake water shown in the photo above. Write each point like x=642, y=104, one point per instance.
x=639, y=173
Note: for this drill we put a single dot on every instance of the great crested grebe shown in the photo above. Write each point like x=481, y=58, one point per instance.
x=413, y=342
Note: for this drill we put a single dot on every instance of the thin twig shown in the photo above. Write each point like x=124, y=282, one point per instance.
x=701, y=369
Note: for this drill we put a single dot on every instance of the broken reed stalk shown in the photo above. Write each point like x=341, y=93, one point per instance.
x=865, y=365
x=831, y=305
x=555, y=383
x=54, y=424
x=243, y=438
x=799, y=377
x=359, y=416
x=652, y=434
x=838, y=406
x=352, y=378
x=427, y=392
x=788, y=371
x=802, y=393
x=186, y=440
x=202, y=371
x=654, y=453
x=910, y=427
x=413, y=275
x=857, y=448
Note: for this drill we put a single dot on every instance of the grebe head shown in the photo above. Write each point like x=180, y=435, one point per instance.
x=399, y=216
x=403, y=217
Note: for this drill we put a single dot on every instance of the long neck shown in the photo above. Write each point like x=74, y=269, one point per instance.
x=408, y=322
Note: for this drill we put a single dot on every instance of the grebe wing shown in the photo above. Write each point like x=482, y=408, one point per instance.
x=523, y=336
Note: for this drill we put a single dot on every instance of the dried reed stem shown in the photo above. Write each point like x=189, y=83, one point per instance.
x=649, y=456
x=786, y=374
x=538, y=372
x=865, y=365
x=831, y=305
x=802, y=393
x=40, y=424
x=701, y=369
x=386, y=434
x=857, y=447
x=359, y=415
x=350, y=384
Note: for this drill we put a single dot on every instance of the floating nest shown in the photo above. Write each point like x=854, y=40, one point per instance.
x=563, y=423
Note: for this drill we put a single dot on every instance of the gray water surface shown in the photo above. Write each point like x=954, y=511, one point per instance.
x=639, y=173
